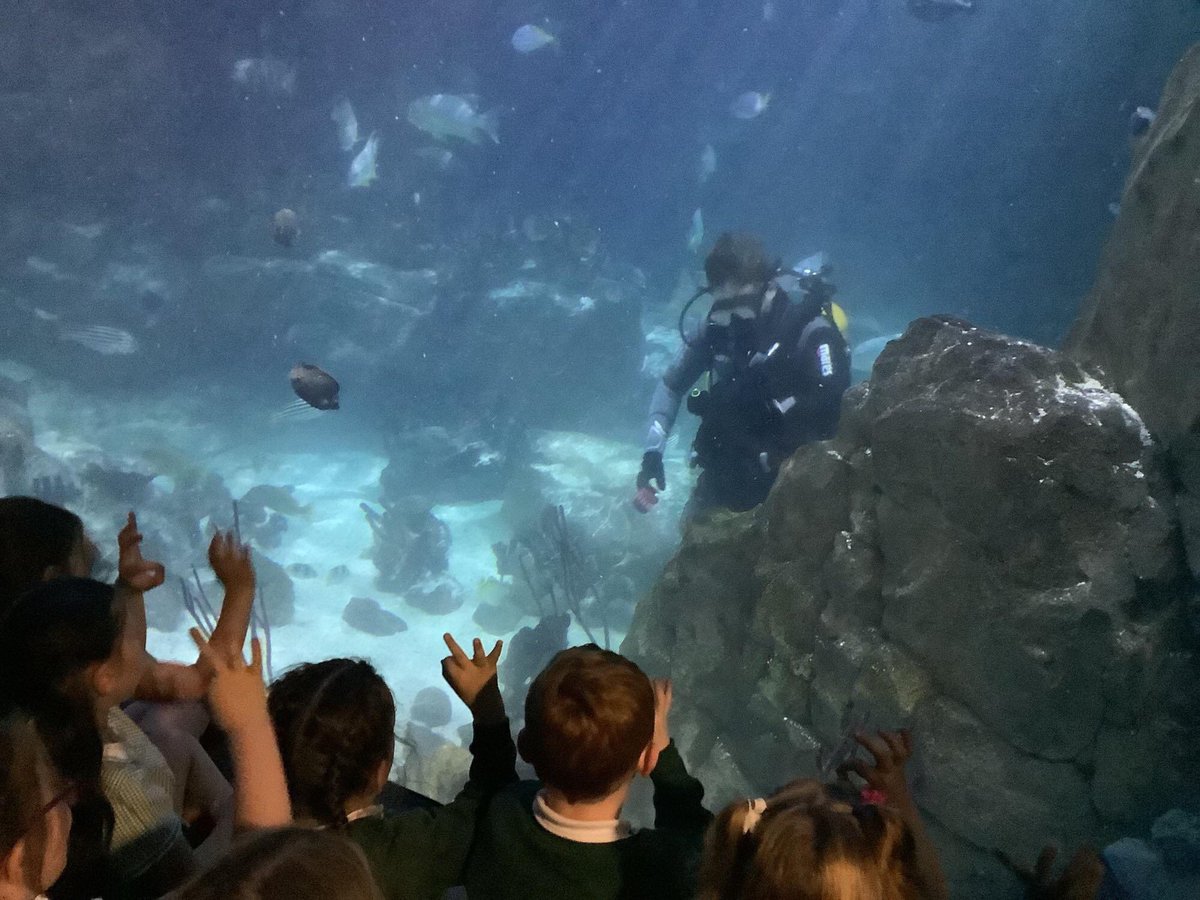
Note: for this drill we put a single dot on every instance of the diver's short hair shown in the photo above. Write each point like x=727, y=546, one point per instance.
x=740, y=258
x=588, y=717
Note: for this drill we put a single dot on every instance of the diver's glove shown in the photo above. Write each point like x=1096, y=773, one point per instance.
x=652, y=471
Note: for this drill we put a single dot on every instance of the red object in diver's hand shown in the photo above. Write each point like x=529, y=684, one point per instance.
x=645, y=499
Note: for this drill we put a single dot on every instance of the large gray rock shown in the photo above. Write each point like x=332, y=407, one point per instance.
x=987, y=553
x=1140, y=326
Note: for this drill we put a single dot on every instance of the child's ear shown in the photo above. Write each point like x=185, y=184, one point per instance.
x=648, y=760
x=102, y=678
x=381, y=776
x=12, y=867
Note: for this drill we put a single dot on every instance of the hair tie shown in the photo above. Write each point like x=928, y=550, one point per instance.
x=754, y=811
x=872, y=797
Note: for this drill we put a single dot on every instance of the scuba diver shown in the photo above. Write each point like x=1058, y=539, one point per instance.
x=776, y=367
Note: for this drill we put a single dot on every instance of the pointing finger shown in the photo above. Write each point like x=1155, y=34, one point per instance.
x=456, y=652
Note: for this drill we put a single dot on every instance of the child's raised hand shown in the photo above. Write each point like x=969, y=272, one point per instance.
x=231, y=562
x=474, y=678
x=663, y=695
x=892, y=750
x=236, y=694
x=133, y=571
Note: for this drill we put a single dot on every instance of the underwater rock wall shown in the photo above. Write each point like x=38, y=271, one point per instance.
x=1141, y=324
x=986, y=554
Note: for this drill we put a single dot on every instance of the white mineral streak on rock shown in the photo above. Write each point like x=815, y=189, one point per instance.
x=1098, y=397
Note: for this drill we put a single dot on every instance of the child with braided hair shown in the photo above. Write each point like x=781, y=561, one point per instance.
x=811, y=841
x=335, y=723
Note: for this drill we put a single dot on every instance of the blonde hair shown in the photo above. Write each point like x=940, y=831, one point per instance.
x=808, y=845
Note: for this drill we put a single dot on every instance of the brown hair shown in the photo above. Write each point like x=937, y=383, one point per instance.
x=335, y=723
x=588, y=717
x=34, y=535
x=24, y=765
x=287, y=864
x=740, y=258
x=809, y=846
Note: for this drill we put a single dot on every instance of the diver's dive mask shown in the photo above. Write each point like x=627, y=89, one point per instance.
x=736, y=310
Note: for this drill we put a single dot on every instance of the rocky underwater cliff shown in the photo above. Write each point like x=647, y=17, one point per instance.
x=999, y=550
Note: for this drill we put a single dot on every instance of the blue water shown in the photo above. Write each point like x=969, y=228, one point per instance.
x=963, y=166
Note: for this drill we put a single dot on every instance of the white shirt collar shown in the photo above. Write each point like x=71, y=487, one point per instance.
x=602, y=832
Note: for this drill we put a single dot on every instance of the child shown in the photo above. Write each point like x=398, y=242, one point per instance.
x=70, y=655
x=291, y=863
x=593, y=721
x=810, y=841
x=35, y=812
x=40, y=541
x=335, y=721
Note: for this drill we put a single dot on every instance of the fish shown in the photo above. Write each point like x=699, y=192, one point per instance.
x=696, y=232
x=449, y=115
x=274, y=497
x=347, y=124
x=529, y=38
x=265, y=75
x=103, y=339
x=750, y=105
x=284, y=227
x=301, y=570
x=938, y=10
x=1141, y=120
x=362, y=167
x=707, y=165
x=314, y=386
x=1114, y=208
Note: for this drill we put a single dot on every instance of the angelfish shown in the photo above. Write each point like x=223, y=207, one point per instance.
x=314, y=386
x=362, y=167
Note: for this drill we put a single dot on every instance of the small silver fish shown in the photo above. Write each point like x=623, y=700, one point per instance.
x=750, y=105
x=448, y=115
x=707, y=165
x=347, y=124
x=362, y=167
x=103, y=339
x=1141, y=120
x=529, y=38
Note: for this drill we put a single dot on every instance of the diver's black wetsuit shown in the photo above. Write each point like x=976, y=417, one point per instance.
x=777, y=383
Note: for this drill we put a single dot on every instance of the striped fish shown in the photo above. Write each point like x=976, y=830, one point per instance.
x=102, y=339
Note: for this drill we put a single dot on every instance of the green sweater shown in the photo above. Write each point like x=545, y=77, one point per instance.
x=514, y=858
x=420, y=853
